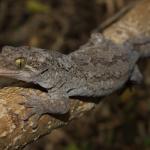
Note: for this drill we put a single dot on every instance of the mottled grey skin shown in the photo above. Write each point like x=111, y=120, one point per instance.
x=97, y=69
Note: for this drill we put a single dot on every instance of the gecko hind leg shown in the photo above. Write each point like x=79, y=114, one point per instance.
x=39, y=106
x=136, y=76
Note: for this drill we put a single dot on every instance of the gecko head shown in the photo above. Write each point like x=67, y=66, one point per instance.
x=22, y=63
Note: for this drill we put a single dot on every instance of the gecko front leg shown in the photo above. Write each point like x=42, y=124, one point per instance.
x=48, y=105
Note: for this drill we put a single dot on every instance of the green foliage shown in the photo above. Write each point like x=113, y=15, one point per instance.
x=72, y=146
x=83, y=146
x=35, y=6
x=147, y=141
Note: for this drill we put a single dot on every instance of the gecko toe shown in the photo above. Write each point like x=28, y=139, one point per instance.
x=28, y=115
x=35, y=121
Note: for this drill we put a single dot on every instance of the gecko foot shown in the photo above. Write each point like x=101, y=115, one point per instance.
x=38, y=106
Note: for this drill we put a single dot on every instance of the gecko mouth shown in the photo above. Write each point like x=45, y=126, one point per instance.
x=15, y=74
x=19, y=78
x=11, y=78
x=6, y=72
x=23, y=75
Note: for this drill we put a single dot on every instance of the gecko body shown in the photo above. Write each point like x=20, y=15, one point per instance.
x=97, y=69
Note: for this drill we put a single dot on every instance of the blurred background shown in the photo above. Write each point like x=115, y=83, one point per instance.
x=120, y=122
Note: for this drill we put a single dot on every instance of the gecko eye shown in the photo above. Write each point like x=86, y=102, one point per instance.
x=20, y=62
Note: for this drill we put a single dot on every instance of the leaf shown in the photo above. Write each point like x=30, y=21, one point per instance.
x=72, y=146
x=35, y=6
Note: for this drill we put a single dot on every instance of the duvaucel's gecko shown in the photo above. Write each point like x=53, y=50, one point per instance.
x=97, y=69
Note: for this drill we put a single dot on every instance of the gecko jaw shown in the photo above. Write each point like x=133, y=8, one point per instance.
x=19, y=75
x=7, y=72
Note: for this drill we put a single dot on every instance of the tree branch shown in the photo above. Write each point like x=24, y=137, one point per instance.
x=15, y=133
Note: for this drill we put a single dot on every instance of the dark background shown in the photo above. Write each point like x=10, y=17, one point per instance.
x=120, y=122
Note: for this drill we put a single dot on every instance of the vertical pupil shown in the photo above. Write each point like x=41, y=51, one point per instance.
x=20, y=64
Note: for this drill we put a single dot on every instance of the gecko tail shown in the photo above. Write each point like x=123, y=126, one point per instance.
x=142, y=45
x=144, y=50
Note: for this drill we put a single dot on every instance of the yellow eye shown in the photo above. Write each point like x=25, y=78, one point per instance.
x=20, y=63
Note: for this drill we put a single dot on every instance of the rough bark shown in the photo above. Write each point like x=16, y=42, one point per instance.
x=15, y=133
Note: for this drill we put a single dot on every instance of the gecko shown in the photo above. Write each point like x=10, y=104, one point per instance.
x=97, y=69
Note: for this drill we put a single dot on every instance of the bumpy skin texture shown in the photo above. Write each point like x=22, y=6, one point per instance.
x=97, y=69
x=105, y=66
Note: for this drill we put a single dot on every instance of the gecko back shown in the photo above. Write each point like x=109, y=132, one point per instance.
x=106, y=66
